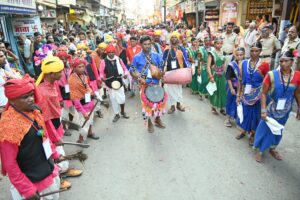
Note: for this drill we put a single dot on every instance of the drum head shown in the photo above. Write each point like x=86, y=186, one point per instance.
x=115, y=85
x=155, y=93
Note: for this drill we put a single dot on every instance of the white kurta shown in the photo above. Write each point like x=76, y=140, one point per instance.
x=54, y=187
x=117, y=97
x=79, y=120
x=174, y=92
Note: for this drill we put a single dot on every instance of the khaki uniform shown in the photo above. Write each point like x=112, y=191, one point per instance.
x=229, y=43
x=269, y=44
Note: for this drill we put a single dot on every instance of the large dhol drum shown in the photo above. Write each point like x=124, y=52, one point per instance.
x=155, y=93
x=178, y=76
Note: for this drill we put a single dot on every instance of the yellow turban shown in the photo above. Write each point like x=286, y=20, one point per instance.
x=176, y=34
x=51, y=64
x=102, y=45
x=82, y=46
x=157, y=32
x=109, y=38
x=188, y=33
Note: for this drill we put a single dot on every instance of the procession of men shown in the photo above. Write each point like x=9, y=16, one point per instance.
x=71, y=77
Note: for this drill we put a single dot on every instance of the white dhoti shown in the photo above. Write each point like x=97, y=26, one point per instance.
x=54, y=187
x=64, y=165
x=98, y=94
x=79, y=120
x=174, y=92
x=65, y=111
x=117, y=97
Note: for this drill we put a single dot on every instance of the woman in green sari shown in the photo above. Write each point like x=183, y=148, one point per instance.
x=202, y=70
x=216, y=71
x=193, y=52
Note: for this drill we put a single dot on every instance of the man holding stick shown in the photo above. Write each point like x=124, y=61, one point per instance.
x=81, y=94
x=50, y=105
x=26, y=150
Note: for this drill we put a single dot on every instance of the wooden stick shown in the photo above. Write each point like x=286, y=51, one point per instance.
x=54, y=192
x=76, y=144
x=90, y=114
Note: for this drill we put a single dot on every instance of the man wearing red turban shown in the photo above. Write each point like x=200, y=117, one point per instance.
x=27, y=153
x=112, y=72
x=81, y=94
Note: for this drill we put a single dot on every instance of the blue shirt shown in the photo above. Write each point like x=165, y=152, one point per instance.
x=139, y=62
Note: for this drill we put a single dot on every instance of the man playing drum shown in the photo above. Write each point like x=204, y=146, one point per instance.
x=153, y=97
x=112, y=70
x=176, y=58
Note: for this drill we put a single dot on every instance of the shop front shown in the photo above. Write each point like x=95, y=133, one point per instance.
x=212, y=15
x=18, y=17
x=46, y=10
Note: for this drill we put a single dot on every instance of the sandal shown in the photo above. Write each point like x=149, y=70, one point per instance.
x=93, y=136
x=71, y=173
x=251, y=140
x=223, y=112
x=124, y=115
x=150, y=128
x=275, y=154
x=158, y=123
x=99, y=114
x=171, y=110
x=116, y=118
x=258, y=158
x=180, y=108
x=65, y=185
x=214, y=111
x=240, y=136
x=227, y=123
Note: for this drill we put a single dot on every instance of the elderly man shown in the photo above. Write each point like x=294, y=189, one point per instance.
x=175, y=57
x=249, y=39
x=27, y=153
x=270, y=44
x=292, y=41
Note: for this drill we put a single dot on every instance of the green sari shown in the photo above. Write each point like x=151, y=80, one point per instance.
x=194, y=55
x=204, y=74
x=218, y=99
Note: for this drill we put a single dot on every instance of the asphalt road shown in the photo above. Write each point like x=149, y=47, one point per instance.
x=195, y=158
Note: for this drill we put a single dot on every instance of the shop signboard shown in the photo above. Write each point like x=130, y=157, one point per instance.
x=18, y=6
x=26, y=26
x=229, y=12
x=66, y=2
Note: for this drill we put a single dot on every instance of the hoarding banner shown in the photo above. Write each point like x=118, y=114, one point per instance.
x=18, y=6
x=26, y=26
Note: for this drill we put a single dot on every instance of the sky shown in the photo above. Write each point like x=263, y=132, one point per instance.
x=146, y=8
